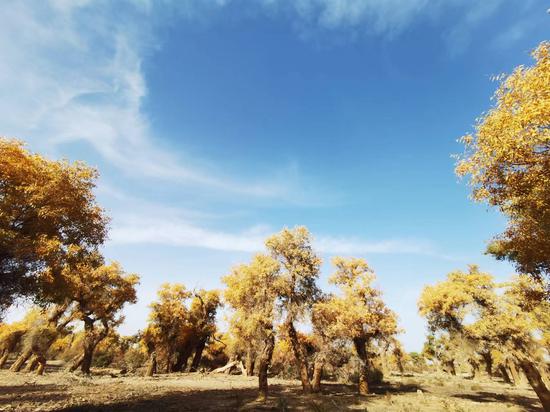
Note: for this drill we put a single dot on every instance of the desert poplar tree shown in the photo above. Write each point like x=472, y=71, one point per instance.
x=252, y=291
x=100, y=293
x=507, y=160
x=299, y=272
x=358, y=312
x=47, y=210
x=511, y=318
x=168, y=320
x=203, y=309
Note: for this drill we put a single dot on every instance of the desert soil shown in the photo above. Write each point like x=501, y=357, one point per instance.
x=105, y=390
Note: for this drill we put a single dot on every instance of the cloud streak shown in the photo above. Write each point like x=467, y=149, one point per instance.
x=74, y=74
x=181, y=232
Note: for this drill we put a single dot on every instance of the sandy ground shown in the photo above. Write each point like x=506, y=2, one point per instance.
x=200, y=392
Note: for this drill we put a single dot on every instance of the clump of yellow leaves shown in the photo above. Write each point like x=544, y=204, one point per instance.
x=47, y=210
x=508, y=162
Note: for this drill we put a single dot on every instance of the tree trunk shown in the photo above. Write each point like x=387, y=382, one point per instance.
x=226, y=368
x=400, y=365
x=20, y=361
x=513, y=371
x=300, y=356
x=182, y=359
x=4, y=358
x=152, y=365
x=488, y=359
x=264, y=361
x=475, y=367
x=361, y=349
x=536, y=382
x=91, y=339
x=87, y=358
x=41, y=360
x=31, y=363
x=450, y=365
x=76, y=363
x=249, y=362
x=318, y=372
x=241, y=367
x=504, y=374
x=198, y=355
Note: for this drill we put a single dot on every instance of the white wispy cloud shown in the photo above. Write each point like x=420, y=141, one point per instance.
x=71, y=72
x=175, y=230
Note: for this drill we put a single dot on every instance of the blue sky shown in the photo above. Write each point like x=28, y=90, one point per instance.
x=217, y=123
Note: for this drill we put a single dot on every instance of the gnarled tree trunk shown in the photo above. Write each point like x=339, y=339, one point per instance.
x=182, y=358
x=504, y=374
x=535, y=380
x=91, y=339
x=299, y=355
x=475, y=367
x=264, y=361
x=4, y=358
x=450, y=366
x=488, y=359
x=32, y=363
x=41, y=360
x=76, y=363
x=198, y=355
x=318, y=371
x=20, y=361
x=513, y=371
x=152, y=364
x=361, y=349
x=250, y=360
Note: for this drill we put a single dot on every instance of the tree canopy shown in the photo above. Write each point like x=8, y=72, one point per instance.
x=48, y=211
x=507, y=160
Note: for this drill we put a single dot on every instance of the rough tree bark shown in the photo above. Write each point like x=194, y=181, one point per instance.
x=4, y=358
x=264, y=361
x=450, y=366
x=513, y=371
x=488, y=359
x=20, y=361
x=76, y=363
x=183, y=356
x=504, y=374
x=226, y=368
x=535, y=380
x=361, y=349
x=475, y=367
x=152, y=364
x=53, y=319
x=91, y=339
x=299, y=355
x=32, y=363
x=318, y=371
x=41, y=360
x=250, y=361
x=198, y=355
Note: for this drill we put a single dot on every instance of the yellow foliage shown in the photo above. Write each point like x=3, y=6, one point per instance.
x=359, y=311
x=47, y=208
x=299, y=270
x=252, y=291
x=508, y=162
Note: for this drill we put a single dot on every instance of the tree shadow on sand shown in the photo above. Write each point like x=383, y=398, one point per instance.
x=10, y=394
x=334, y=397
x=529, y=404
